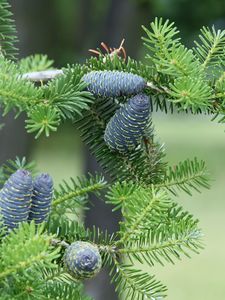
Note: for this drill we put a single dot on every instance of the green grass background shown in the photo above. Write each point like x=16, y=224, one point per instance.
x=202, y=277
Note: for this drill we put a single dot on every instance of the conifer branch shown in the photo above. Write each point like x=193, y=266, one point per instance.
x=16, y=92
x=8, y=31
x=63, y=291
x=56, y=275
x=26, y=247
x=84, y=186
x=188, y=175
x=136, y=284
x=167, y=243
x=210, y=49
x=24, y=264
x=35, y=63
x=154, y=200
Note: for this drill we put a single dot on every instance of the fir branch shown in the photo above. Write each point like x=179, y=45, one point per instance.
x=220, y=82
x=187, y=176
x=167, y=243
x=70, y=231
x=161, y=36
x=23, y=286
x=66, y=231
x=65, y=292
x=120, y=193
x=56, y=275
x=143, y=208
x=43, y=118
x=67, y=93
x=26, y=247
x=181, y=73
x=179, y=61
x=167, y=54
x=8, y=32
x=12, y=165
x=191, y=93
x=16, y=92
x=220, y=117
x=133, y=284
x=210, y=49
x=83, y=186
x=34, y=64
x=64, y=97
x=43, y=284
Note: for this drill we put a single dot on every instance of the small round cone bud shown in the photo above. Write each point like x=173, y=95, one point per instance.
x=82, y=260
x=113, y=83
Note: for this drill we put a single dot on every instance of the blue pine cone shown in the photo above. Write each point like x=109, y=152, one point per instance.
x=41, y=199
x=15, y=198
x=125, y=129
x=82, y=260
x=113, y=83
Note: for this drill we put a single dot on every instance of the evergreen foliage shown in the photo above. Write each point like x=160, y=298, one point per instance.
x=8, y=37
x=154, y=229
x=34, y=63
x=11, y=166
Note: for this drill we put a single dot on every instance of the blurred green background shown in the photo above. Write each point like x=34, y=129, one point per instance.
x=65, y=30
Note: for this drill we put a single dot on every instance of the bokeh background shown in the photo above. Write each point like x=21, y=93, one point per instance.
x=65, y=30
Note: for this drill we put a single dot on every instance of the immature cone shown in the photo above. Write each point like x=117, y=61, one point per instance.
x=41, y=199
x=113, y=83
x=82, y=260
x=15, y=198
x=125, y=129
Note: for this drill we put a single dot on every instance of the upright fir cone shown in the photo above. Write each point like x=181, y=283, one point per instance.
x=15, y=198
x=42, y=198
x=113, y=83
x=126, y=128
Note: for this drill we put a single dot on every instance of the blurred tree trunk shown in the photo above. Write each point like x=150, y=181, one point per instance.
x=101, y=216
x=14, y=139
